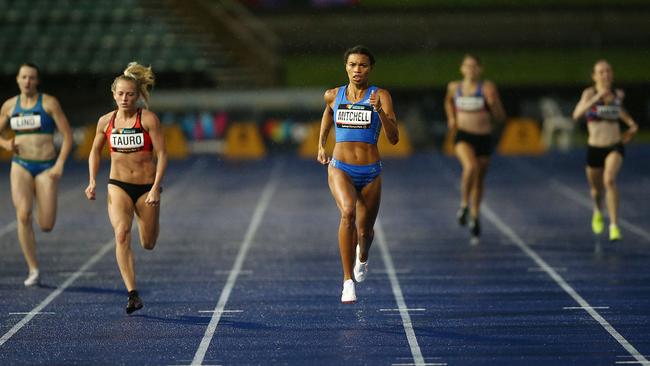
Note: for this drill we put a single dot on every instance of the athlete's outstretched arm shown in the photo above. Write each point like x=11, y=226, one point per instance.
x=632, y=127
x=494, y=101
x=7, y=144
x=52, y=106
x=589, y=98
x=449, y=106
x=151, y=122
x=383, y=104
x=326, y=125
x=95, y=156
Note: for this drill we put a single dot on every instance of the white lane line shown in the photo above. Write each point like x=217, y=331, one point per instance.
x=413, y=309
x=426, y=358
x=222, y=311
x=237, y=265
x=584, y=308
x=421, y=364
x=586, y=202
x=399, y=298
x=537, y=269
x=579, y=198
x=632, y=363
x=64, y=197
x=59, y=290
x=507, y=231
x=87, y=274
x=227, y=272
x=105, y=248
x=10, y=227
x=33, y=313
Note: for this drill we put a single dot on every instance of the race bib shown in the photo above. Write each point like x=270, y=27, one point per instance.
x=354, y=116
x=609, y=112
x=470, y=104
x=26, y=122
x=127, y=140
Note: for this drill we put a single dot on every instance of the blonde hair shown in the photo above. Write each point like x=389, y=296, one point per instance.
x=141, y=75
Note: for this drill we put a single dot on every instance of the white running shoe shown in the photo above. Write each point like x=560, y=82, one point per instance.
x=348, y=295
x=32, y=279
x=360, y=268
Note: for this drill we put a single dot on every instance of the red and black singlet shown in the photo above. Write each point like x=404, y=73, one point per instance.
x=128, y=140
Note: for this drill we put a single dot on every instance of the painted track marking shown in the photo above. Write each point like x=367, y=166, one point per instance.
x=219, y=309
x=87, y=265
x=399, y=297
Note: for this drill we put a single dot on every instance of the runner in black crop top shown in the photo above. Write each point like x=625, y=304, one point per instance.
x=602, y=105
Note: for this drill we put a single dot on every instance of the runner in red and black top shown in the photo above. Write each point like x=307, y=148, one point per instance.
x=133, y=134
x=128, y=139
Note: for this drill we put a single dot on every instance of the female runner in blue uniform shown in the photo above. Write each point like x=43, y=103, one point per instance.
x=36, y=168
x=471, y=104
x=357, y=111
x=603, y=107
x=136, y=173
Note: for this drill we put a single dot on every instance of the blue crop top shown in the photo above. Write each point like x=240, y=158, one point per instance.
x=601, y=111
x=356, y=121
x=32, y=120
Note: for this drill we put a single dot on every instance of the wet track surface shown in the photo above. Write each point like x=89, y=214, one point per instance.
x=246, y=271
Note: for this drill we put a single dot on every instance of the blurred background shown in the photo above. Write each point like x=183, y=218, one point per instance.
x=246, y=78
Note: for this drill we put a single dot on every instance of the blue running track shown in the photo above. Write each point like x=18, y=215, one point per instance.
x=247, y=271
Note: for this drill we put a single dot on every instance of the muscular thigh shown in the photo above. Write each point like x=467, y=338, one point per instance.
x=46, y=198
x=22, y=188
x=148, y=218
x=613, y=163
x=341, y=187
x=120, y=207
x=483, y=165
x=368, y=203
x=465, y=153
x=595, y=177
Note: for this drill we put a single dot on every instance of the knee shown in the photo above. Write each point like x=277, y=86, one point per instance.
x=610, y=183
x=470, y=169
x=348, y=215
x=47, y=228
x=366, y=235
x=148, y=244
x=24, y=217
x=596, y=190
x=46, y=223
x=122, y=235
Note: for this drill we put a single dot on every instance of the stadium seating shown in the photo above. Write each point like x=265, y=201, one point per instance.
x=93, y=37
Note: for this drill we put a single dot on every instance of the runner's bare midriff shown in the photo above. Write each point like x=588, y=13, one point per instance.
x=136, y=167
x=36, y=146
x=356, y=153
x=603, y=133
x=474, y=122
